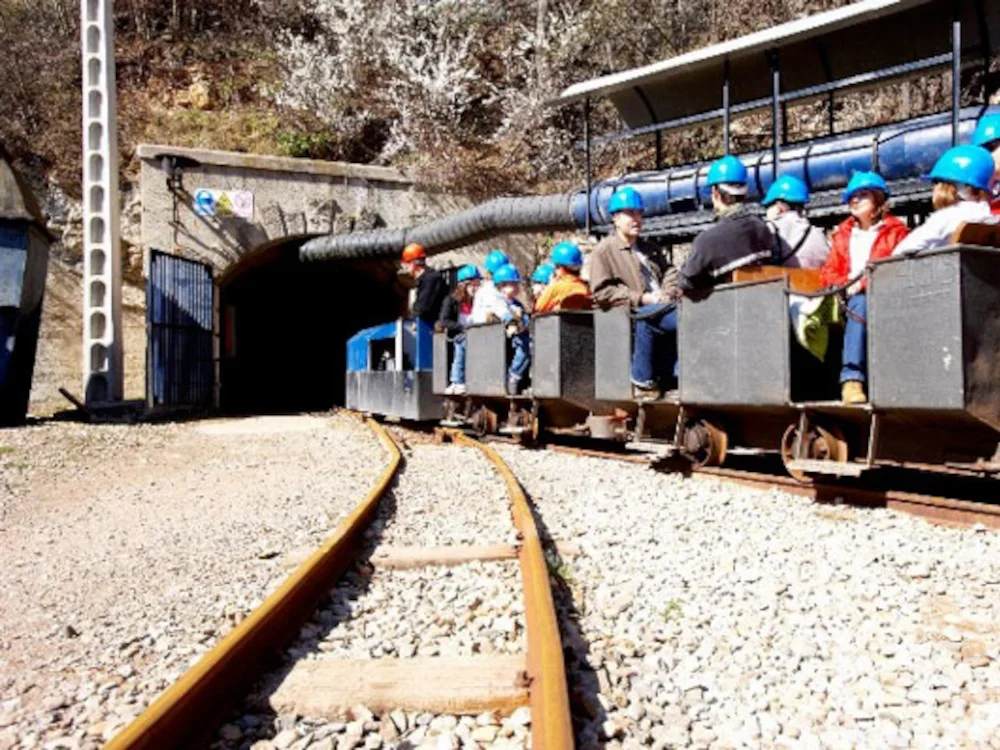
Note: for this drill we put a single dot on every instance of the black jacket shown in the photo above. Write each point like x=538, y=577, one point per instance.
x=448, y=320
x=739, y=239
x=431, y=291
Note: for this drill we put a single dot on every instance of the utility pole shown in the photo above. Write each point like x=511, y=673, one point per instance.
x=103, y=376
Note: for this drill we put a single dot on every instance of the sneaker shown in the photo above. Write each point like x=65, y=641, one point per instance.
x=513, y=385
x=645, y=391
x=853, y=392
x=458, y=389
x=450, y=390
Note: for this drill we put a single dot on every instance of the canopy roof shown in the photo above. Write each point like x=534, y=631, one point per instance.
x=845, y=45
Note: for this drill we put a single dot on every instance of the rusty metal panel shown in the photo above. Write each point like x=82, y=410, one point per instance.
x=734, y=346
x=404, y=394
x=915, y=336
x=563, y=359
x=442, y=361
x=613, y=354
x=486, y=360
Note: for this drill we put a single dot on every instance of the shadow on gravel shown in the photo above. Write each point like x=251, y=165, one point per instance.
x=584, y=687
x=255, y=717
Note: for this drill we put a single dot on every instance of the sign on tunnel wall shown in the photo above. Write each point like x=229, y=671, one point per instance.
x=223, y=203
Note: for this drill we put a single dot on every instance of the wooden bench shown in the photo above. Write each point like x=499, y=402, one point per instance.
x=804, y=280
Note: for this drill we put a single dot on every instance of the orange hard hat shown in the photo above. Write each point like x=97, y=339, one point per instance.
x=413, y=252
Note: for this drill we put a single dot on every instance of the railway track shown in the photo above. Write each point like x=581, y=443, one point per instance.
x=193, y=709
x=974, y=501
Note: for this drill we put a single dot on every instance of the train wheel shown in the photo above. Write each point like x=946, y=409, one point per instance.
x=789, y=448
x=705, y=444
x=817, y=444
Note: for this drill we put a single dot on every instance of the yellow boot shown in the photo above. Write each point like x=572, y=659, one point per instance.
x=853, y=392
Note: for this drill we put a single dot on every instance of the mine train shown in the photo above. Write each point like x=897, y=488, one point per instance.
x=746, y=384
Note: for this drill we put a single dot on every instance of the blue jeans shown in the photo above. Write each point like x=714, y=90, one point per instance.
x=522, y=356
x=654, y=348
x=854, y=363
x=458, y=363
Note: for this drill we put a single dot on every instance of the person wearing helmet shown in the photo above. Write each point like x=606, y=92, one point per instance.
x=737, y=239
x=625, y=270
x=798, y=244
x=516, y=321
x=868, y=234
x=962, y=178
x=488, y=306
x=431, y=286
x=567, y=291
x=541, y=278
x=987, y=135
x=456, y=315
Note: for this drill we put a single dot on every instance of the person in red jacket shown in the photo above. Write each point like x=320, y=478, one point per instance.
x=868, y=234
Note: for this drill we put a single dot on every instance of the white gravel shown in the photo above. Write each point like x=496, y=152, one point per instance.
x=708, y=615
x=444, y=495
x=128, y=551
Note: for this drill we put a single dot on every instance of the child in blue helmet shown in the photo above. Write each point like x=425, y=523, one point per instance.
x=456, y=316
x=515, y=320
x=799, y=244
x=987, y=136
x=488, y=306
x=541, y=278
x=962, y=178
x=567, y=291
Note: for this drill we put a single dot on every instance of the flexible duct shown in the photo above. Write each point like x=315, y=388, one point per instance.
x=498, y=216
x=899, y=152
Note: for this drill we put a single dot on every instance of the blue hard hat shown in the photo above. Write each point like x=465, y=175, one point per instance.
x=506, y=274
x=566, y=254
x=543, y=274
x=626, y=199
x=965, y=165
x=495, y=259
x=987, y=130
x=787, y=188
x=865, y=181
x=726, y=171
x=468, y=272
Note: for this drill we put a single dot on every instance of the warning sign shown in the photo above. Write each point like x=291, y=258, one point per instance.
x=223, y=203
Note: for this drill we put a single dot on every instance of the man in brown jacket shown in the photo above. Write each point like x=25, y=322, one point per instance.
x=626, y=271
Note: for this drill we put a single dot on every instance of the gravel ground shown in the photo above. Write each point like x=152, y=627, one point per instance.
x=707, y=615
x=445, y=495
x=128, y=551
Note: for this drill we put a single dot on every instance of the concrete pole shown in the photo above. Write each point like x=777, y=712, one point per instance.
x=103, y=376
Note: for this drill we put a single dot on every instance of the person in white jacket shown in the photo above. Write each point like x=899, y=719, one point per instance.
x=962, y=179
x=488, y=304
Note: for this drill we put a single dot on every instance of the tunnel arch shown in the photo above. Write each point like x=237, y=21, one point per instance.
x=284, y=324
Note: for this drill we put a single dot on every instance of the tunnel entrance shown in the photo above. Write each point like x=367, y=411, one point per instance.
x=284, y=325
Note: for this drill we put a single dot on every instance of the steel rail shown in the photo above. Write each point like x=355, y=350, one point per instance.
x=551, y=723
x=191, y=707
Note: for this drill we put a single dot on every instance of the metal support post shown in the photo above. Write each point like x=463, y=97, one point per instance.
x=586, y=156
x=103, y=374
x=725, y=107
x=956, y=71
x=775, y=112
x=659, y=150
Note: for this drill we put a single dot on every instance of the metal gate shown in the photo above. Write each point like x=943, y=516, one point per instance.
x=180, y=365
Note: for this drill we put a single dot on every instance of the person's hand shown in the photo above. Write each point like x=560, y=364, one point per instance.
x=854, y=288
x=439, y=327
x=651, y=298
x=512, y=329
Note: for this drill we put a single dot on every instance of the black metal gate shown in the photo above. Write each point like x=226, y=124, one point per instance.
x=179, y=347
